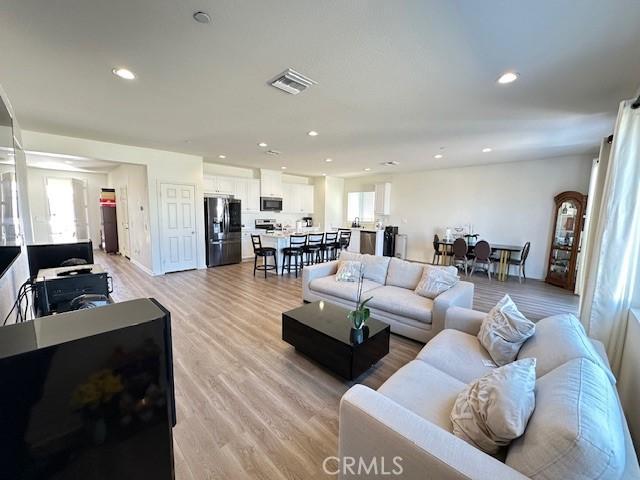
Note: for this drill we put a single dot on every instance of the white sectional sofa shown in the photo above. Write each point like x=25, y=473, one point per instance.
x=391, y=283
x=577, y=430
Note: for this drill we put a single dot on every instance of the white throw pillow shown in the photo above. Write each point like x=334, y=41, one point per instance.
x=494, y=410
x=349, y=271
x=558, y=339
x=436, y=280
x=504, y=330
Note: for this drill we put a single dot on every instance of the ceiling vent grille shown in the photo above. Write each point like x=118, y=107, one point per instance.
x=390, y=164
x=292, y=82
x=272, y=152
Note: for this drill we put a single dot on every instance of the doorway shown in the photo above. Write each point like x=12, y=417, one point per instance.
x=178, y=227
x=67, y=224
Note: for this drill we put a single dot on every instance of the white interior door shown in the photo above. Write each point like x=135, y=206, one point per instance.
x=122, y=205
x=178, y=229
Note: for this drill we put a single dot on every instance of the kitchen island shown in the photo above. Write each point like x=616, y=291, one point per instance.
x=280, y=240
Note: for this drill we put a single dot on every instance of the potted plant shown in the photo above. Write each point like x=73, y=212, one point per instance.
x=360, y=315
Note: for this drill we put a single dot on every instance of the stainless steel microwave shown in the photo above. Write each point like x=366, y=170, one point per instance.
x=270, y=204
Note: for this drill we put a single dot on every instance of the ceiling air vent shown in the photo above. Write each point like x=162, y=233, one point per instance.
x=292, y=82
x=272, y=152
x=390, y=164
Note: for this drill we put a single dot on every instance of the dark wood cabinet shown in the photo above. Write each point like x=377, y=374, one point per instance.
x=570, y=208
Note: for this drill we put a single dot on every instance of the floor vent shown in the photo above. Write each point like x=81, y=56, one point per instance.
x=292, y=82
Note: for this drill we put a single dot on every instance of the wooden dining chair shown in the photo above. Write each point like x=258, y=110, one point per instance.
x=520, y=262
x=482, y=252
x=437, y=253
x=460, y=254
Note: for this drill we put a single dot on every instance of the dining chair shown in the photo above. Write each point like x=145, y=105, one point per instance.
x=437, y=253
x=482, y=251
x=460, y=251
x=520, y=262
x=264, y=252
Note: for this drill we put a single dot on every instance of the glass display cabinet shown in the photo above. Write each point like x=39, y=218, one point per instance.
x=565, y=241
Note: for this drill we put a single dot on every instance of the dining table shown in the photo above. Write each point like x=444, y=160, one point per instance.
x=504, y=250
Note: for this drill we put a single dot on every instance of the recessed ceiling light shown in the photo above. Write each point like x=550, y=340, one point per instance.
x=202, y=17
x=508, y=77
x=222, y=156
x=438, y=155
x=486, y=150
x=324, y=174
x=262, y=144
x=312, y=133
x=123, y=73
x=328, y=160
x=367, y=169
x=68, y=162
x=283, y=167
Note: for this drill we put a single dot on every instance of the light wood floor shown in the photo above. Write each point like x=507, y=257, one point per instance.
x=248, y=405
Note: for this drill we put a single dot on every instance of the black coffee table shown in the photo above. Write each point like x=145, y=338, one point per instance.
x=321, y=331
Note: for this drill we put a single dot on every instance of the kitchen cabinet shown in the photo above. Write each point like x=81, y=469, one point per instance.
x=218, y=185
x=297, y=198
x=247, y=245
x=253, y=196
x=383, y=198
x=270, y=183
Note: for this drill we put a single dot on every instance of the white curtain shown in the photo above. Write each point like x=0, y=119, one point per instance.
x=611, y=265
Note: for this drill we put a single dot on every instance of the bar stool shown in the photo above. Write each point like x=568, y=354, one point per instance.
x=264, y=252
x=295, y=250
x=313, y=248
x=330, y=246
x=344, y=238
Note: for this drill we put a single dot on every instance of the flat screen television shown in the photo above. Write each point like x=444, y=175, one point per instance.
x=88, y=395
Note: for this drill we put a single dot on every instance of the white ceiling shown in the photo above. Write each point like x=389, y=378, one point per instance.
x=397, y=79
x=68, y=163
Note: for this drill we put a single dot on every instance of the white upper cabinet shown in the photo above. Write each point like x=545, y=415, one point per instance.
x=270, y=183
x=383, y=199
x=253, y=196
x=297, y=198
x=307, y=192
x=218, y=185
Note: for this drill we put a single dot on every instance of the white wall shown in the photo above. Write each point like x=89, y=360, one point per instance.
x=134, y=178
x=39, y=203
x=162, y=167
x=506, y=203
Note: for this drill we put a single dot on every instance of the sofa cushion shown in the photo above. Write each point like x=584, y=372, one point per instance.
x=458, y=354
x=504, y=330
x=576, y=430
x=375, y=267
x=436, y=280
x=493, y=410
x=424, y=390
x=345, y=290
x=557, y=340
x=401, y=301
x=404, y=274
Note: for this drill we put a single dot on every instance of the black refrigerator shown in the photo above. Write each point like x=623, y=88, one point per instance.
x=222, y=217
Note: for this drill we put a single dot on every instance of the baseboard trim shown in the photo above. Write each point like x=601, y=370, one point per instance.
x=142, y=267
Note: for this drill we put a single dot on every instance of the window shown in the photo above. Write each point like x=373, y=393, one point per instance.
x=68, y=217
x=361, y=205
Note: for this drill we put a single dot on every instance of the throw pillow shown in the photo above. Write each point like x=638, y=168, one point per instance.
x=558, y=339
x=436, y=280
x=348, y=271
x=494, y=410
x=504, y=330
